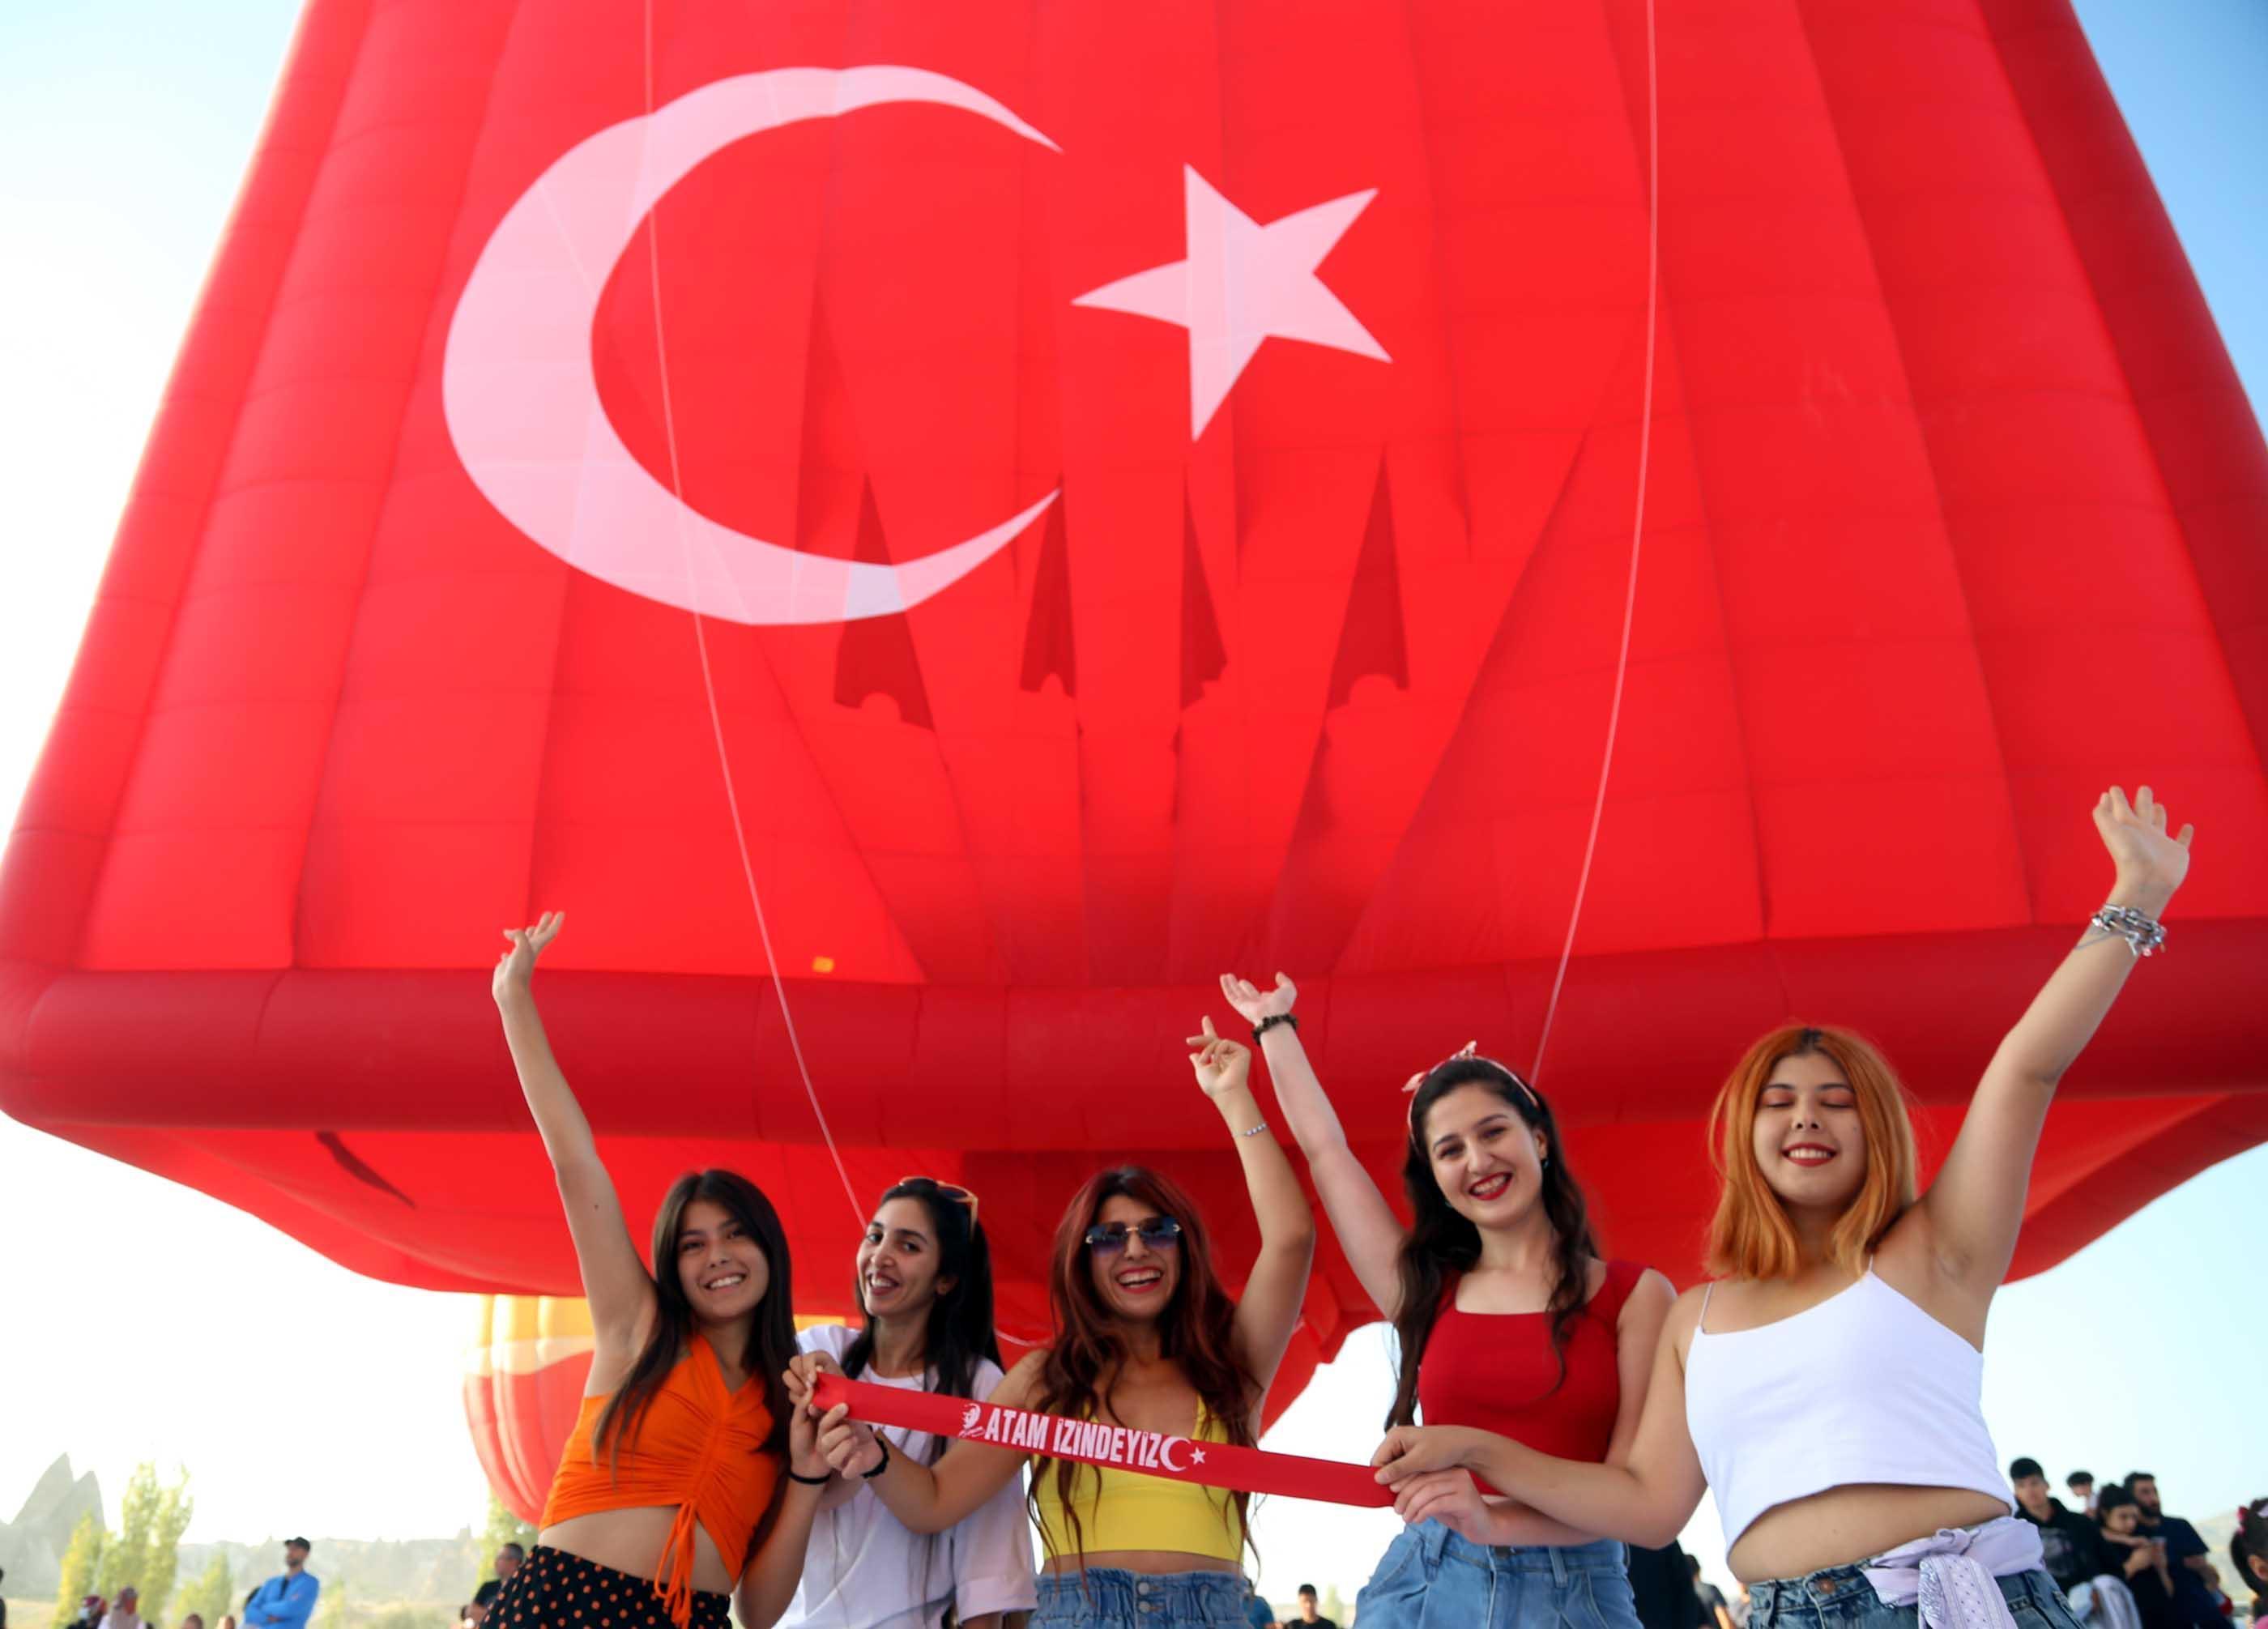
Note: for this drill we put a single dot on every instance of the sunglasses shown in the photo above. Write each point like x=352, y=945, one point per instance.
x=953, y=1192
x=1160, y=1233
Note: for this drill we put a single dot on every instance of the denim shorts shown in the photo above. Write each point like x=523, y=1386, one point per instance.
x=1429, y=1578
x=1840, y=1597
x=1111, y=1597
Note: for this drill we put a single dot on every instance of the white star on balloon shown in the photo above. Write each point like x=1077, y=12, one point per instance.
x=1243, y=283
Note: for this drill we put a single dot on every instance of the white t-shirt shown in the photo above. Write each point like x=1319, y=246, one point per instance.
x=866, y=1570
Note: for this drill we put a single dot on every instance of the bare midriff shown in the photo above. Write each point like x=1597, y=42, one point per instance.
x=1141, y=1562
x=633, y=1541
x=1847, y=1524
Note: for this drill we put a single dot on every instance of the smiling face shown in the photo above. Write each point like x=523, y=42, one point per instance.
x=1809, y=1141
x=1488, y=1162
x=898, y=1261
x=1135, y=1284
x=720, y=1267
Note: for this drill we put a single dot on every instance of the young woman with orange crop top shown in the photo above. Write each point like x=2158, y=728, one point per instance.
x=1827, y=1386
x=1145, y=1337
x=686, y=1473
x=1507, y=1319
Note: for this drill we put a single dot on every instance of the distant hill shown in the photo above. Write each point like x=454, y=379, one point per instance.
x=32, y=1546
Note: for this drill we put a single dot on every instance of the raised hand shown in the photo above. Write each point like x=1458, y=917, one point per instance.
x=1221, y=1065
x=1252, y=1003
x=2150, y=863
x=515, y=970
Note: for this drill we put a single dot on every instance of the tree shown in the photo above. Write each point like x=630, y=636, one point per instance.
x=145, y=1551
x=333, y=1612
x=81, y=1562
x=163, y=1565
x=209, y=1595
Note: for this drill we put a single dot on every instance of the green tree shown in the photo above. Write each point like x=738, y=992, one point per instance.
x=209, y=1593
x=333, y=1612
x=126, y=1553
x=81, y=1562
x=163, y=1564
x=503, y=1528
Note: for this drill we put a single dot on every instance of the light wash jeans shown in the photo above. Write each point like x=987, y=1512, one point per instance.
x=1111, y=1597
x=1430, y=1578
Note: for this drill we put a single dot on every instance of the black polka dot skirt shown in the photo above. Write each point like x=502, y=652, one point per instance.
x=555, y=1591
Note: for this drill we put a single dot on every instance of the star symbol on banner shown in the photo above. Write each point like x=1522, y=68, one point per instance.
x=1242, y=285
x=1196, y=1456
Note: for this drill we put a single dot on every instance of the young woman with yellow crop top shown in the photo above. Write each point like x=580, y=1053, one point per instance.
x=1827, y=1388
x=686, y=1472
x=1145, y=1337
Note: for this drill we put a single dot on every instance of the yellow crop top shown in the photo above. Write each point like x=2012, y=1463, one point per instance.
x=1131, y=1511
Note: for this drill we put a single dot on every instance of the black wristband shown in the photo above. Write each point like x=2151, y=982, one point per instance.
x=881, y=1464
x=793, y=1475
x=1271, y=1021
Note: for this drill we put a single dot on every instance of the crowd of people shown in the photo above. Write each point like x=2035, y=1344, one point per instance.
x=1824, y=1384
x=286, y=1601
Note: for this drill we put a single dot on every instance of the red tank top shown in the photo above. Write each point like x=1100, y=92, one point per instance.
x=1494, y=1370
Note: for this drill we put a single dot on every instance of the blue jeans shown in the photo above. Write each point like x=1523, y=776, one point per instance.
x=1111, y=1597
x=1840, y=1597
x=1431, y=1579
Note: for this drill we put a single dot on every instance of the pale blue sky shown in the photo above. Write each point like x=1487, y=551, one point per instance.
x=124, y=127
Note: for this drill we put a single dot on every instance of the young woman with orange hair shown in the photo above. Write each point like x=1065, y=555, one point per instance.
x=1146, y=1337
x=1826, y=1387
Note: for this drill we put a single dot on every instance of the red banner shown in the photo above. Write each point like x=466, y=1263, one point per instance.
x=1151, y=1453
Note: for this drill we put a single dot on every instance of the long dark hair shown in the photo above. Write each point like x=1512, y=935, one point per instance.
x=1442, y=1242
x=1196, y=1330
x=772, y=1331
x=960, y=1334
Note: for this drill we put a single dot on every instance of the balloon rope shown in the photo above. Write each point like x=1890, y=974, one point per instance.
x=1637, y=525
x=708, y=680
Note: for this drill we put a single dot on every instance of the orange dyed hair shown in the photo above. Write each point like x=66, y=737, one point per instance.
x=1751, y=1236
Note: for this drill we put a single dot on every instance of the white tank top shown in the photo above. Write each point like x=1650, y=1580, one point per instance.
x=1864, y=1387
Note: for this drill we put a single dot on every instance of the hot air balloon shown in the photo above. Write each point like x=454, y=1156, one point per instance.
x=524, y=1377
x=933, y=531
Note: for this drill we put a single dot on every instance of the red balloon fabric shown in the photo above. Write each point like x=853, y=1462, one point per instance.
x=1158, y=485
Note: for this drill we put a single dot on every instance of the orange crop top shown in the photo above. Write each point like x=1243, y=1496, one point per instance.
x=697, y=1447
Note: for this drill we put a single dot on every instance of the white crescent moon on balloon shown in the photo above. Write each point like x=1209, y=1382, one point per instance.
x=520, y=391
x=1165, y=1454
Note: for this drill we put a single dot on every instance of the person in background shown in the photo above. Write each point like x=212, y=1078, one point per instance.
x=2247, y=1553
x=2140, y=1562
x=228, y=1620
x=1661, y=1588
x=508, y=1558
x=2080, y=1485
x=2072, y=1551
x=473, y=1614
x=1308, y=1613
x=1713, y=1599
x=287, y=1600
x=125, y=1609
x=194, y=1620
x=1257, y=1613
x=92, y=1610
x=2195, y=1582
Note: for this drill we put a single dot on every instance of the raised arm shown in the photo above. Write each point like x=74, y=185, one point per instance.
x=614, y=1280
x=1974, y=1208
x=930, y=1499
x=1368, y=1231
x=1269, y=1309
x=1646, y=1502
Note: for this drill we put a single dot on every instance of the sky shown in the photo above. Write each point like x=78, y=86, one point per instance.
x=143, y=1321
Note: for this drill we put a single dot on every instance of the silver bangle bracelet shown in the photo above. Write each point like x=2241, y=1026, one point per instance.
x=1255, y=1131
x=2144, y=935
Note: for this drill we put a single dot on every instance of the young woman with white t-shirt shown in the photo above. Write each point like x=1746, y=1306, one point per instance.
x=925, y=1284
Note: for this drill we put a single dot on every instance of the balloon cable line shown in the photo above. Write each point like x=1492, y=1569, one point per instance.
x=708, y=678
x=1637, y=525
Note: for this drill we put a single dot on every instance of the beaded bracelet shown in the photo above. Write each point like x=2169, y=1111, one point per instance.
x=1271, y=1021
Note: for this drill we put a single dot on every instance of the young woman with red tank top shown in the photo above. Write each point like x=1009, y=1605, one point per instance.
x=1507, y=1321
x=686, y=1473
x=1828, y=1386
